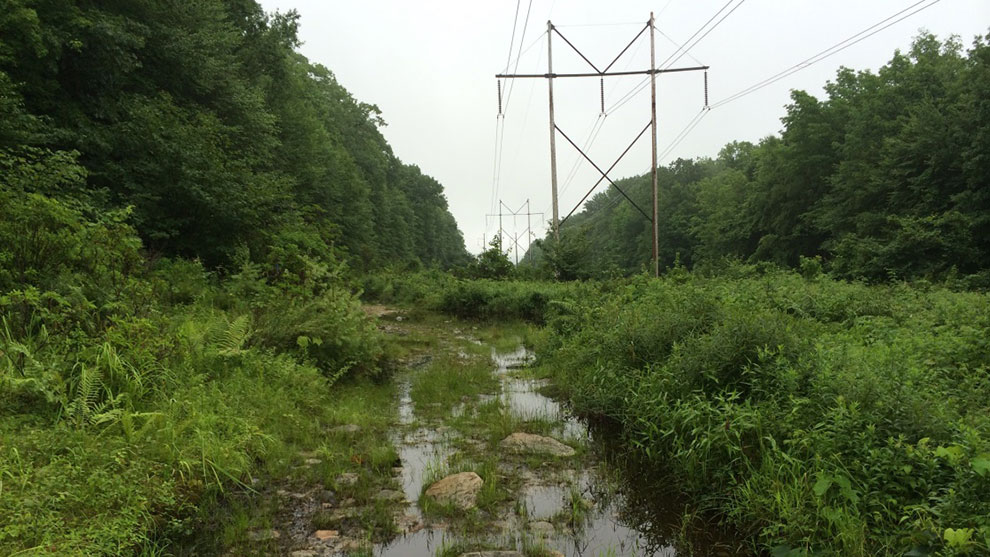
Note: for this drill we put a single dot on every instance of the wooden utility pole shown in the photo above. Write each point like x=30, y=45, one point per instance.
x=653, y=133
x=553, y=135
x=554, y=129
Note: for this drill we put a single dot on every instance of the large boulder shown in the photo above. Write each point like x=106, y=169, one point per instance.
x=535, y=444
x=460, y=490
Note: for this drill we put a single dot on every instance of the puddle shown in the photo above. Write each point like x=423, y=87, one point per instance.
x=546, y=496
x=419, y=449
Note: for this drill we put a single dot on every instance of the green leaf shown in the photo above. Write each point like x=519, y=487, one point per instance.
x=952, y=453
x=824, y=482
x=958, y=538
x=981, y=464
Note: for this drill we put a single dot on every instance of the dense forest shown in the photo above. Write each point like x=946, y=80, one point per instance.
x=220, y=141
x=886, y=178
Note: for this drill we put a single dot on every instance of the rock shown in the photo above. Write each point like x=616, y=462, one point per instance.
x=460, y=490
x=408, y=523
x=390, y=495
x=493, y=554
x=529, y=443
x=324, y=535
x=349, y=428
x=553, y=553
x=303, y=553
x=313, y=461
x=542, y=528
x=502, y=526
x=264, y=535
x=347, y=479
x=349, y=545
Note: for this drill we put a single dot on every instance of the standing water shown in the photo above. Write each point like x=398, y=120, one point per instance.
x=568, y=506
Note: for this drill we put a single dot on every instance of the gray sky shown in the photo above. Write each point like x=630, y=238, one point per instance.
x=430, y=65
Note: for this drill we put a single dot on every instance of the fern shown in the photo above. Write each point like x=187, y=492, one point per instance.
x=87, y=394
x=231, y=342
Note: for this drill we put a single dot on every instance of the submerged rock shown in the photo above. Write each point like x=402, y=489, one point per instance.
x=542, y=528
x=460, y=490
x=529, y=443
x=390, y=495
x=264, y=535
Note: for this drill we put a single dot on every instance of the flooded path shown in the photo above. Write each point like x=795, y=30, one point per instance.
x=550, y=505
x=479, y=461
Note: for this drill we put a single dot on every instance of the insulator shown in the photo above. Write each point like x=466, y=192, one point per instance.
x=602, y=89
x=500, y=97
x=706, y=89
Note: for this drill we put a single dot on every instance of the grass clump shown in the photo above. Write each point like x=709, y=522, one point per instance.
x=450, y=380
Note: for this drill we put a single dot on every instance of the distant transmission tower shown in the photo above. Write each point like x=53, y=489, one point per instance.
x=602, y=74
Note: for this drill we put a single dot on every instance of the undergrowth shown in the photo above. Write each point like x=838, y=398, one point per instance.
x=134, y=394
x=816, y=416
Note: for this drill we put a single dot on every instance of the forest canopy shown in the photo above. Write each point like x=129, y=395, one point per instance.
x=225, y=143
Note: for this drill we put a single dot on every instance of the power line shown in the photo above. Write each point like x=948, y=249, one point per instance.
x=512, y=40
x=500, y=140
x=838, y=47
x=682, y=135
x=519, y=55
x=700, y=29
x=712, y=28
x=675, y=43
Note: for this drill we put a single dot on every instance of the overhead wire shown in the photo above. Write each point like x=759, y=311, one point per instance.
x=499, y=122
x=700, y=29
x=687, y=49
x=834, y=49
x=500, y=140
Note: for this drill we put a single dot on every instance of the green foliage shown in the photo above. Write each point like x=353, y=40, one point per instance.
x=493, y=263
x=473, y=299
x=206, y=122
x=134, y=394
x=817, y=416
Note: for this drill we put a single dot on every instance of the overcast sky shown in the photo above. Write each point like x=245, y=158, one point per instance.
x=430, y=66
